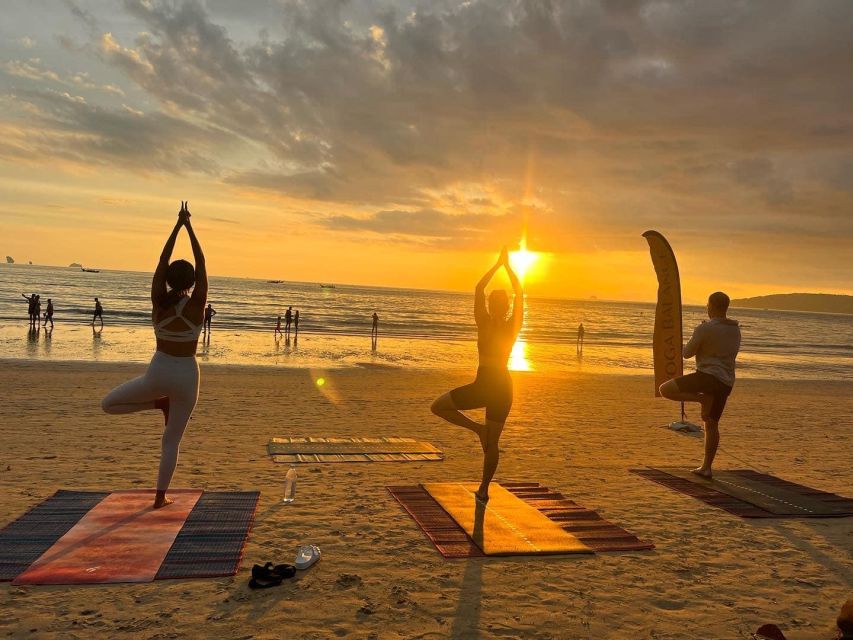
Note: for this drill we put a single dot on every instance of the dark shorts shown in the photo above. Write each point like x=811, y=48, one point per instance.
x=700, y=382
x=491, y=389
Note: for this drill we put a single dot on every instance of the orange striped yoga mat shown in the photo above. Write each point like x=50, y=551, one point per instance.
x=121, y=539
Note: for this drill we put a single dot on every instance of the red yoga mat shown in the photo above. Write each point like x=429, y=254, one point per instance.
x=121, y=539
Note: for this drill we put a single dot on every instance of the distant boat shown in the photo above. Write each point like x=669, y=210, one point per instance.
x=327, y=286
x=90, y=270
x=10, y=260
x=276, y=281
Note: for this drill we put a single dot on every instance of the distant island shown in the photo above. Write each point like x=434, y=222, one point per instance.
x=816, y=302
x=10, y=260
x=75, y=265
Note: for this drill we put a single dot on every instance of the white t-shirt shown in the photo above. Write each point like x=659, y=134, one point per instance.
x=715, y=344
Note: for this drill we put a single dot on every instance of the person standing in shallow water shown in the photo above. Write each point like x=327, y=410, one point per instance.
x=31, y=305
x=579, y=345
x=715, y=344
x=492, y=388
x=374, y=331
x=48, y=314
x=288, y=319
x=209, y=312
x=99, y=313
x=171, y=382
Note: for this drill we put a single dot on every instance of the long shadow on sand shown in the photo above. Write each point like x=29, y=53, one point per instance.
x=466, y=621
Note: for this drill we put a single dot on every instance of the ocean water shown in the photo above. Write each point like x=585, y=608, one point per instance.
x=422, y=329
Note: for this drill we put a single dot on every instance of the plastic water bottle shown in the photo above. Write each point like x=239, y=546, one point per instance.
x=289, y=486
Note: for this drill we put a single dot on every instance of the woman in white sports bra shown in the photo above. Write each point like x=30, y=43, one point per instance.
x=171, y=382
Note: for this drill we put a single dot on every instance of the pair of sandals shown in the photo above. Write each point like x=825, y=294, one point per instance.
x=270, y=575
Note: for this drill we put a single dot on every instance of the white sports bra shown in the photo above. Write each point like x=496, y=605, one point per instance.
x=190, y=334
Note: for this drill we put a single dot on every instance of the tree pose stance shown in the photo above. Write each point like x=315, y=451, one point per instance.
x=492, y=387
x=171, y=382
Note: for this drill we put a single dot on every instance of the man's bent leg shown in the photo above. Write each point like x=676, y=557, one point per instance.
x=712, y=441
x=671, y=391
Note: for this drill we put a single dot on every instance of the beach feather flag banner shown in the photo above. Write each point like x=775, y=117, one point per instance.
x=667, y=341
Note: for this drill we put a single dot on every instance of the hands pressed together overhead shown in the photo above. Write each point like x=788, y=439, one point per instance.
x=184, y=213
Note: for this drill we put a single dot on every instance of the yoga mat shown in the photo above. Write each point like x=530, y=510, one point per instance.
x=121, y=539
x=585, y=524
x=506, y=525
x=330, y=450
x=750, y=494
x=448, y=537
x=28, y=537
x=212, y=540
x=452, y=542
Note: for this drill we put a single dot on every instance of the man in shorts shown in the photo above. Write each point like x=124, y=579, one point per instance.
x=715, y=344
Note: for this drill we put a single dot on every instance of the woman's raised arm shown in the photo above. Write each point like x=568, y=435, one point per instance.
x=518, y=300
x=158, y=283
x=200, y=292
x=480, y=313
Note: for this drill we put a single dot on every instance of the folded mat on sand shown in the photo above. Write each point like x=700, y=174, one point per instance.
x=390, y=449
x=750, y=494
x=208, y=541
x=452, y=541
x=506, y=525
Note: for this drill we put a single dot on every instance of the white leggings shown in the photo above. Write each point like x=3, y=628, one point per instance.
x=170, y=376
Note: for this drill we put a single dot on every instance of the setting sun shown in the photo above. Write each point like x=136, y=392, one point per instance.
x=522, y=261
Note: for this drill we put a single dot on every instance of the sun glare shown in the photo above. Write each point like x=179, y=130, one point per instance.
x=522, y=261
x=518, y=358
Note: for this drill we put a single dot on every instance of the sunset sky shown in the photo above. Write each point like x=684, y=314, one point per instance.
x=402, y=143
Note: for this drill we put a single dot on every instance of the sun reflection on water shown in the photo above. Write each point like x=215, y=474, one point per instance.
x=518, y=357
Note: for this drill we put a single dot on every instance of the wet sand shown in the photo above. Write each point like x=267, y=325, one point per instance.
x=712, y=575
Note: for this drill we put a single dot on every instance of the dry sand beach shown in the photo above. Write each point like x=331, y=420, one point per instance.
x=712, y=575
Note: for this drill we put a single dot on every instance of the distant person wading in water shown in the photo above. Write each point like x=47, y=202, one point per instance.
x=171, y=381
x=48, y=315
x=31, y=307
x=715, y=344
x=492, y=387
x=99, y=313
x=209, y=312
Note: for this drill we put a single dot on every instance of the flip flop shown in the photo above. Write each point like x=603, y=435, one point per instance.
x=264, y=572
x=284, y=570
x=265, y=583
x=306, y=555
x=769, y=632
